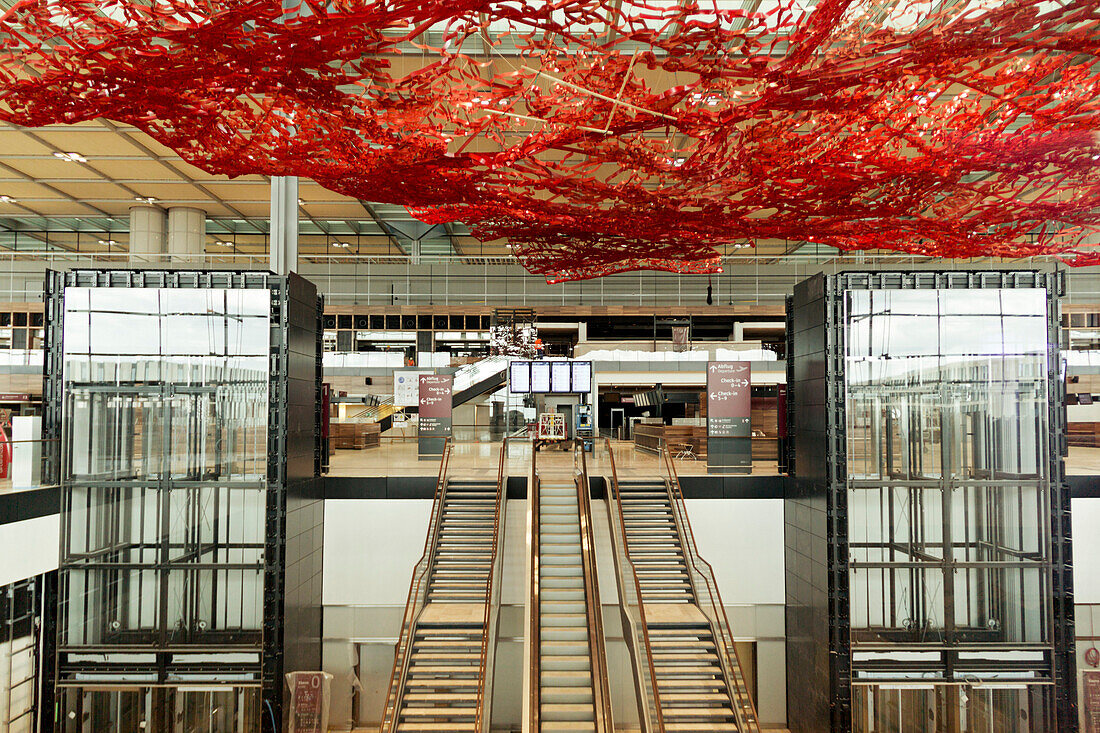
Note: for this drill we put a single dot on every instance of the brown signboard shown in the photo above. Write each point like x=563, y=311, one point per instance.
x=1091, y=686
x=435, y=405
x=310, y=695
x=729, y=399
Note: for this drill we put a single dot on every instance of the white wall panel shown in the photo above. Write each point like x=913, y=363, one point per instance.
x=1086, y=550
x=371, y=548
x=742, y=539
x=28, y=548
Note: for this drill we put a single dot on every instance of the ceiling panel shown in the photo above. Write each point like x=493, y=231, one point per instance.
x=92, y=141
x=15, y=142
x=128, y=170
x=95, y=190
x=335, y=209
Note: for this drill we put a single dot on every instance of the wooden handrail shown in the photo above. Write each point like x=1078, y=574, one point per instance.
x=420, y=571
x=533, y=631
x=479, y=719
x=596, y=649
x=618, y=502
x=691, y=555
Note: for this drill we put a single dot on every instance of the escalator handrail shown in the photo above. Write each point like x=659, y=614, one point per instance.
x=413, y=604
x=594, y=612
x=659, y=723
x=704, y=570
x=533, y=631
x=479, y=720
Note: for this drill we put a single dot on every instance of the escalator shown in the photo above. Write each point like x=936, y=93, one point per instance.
x=481, y=377
x=443, y=661
x=687, y=672
x=567, y=671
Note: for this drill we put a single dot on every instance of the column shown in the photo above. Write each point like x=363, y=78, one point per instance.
x=283, y=242
x=187, y=234
x=148, y=232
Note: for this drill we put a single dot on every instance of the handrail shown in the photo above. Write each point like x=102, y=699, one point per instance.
x=743, y=705
x=480, y=719
x=533, y=631
x=413, y=604
x=596, y=649
x=645, y=675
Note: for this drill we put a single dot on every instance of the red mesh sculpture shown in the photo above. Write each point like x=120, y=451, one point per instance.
x=606, y=135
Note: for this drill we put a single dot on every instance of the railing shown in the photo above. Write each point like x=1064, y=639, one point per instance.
x=418, y=591
x=492, y=601
x=596, y=649
x=534, y=636
x=709, y=601
x=635, y=630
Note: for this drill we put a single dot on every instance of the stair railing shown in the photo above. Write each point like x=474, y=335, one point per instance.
x=492, y=601
x=709, y=601
x=596, y=649
x=631, y=610
x=534, y=625
x=414, y=604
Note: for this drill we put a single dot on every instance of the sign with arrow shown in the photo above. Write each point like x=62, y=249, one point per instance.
x=729, y=393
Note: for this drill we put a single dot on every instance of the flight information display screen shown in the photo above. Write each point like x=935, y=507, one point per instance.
x=519, y=377
x=540, y=376
x=559, y=376
x=582, y=376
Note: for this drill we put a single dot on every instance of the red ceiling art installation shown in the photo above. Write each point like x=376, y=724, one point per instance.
x=599, y=136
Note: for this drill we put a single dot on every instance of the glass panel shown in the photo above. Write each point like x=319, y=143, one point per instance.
x=950, y=709
x=165, y=439
x=948, y=466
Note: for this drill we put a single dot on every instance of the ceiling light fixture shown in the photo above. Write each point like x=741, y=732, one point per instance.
x=345, y=245
x=71, y=157
x=108, y=242
x=146, y=199
x=7, y=199
x=220, y=243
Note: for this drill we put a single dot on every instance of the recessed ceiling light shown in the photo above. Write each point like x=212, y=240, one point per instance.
x=108, y=242
x=345, y=245
x=300, y=202
x=220, y=243
x=7, y=199
x=146, y=199
x=71, y=157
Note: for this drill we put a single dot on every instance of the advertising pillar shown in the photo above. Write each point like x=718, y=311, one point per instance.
x=435, y=414
x=729, y=406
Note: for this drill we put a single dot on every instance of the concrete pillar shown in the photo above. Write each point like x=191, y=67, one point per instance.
x=148, y=232
x=187, y=234
x=283, y=241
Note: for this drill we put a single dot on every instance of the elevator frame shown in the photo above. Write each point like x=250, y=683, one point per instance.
x=163, y=664
x=824, y=651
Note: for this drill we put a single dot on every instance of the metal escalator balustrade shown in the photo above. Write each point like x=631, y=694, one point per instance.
x=476, y=379
x=568, y=676
x=443, y=661
x=688, y=665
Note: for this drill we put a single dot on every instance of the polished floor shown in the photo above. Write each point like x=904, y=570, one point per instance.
x=399, y=458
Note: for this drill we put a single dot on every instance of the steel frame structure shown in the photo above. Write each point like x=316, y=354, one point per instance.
x=182, y=491
x=928, y=540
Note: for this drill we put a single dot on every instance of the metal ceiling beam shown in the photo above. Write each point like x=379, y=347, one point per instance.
x=30, y=179
x=449, y=228
x=384, y=227
x=129, y=136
